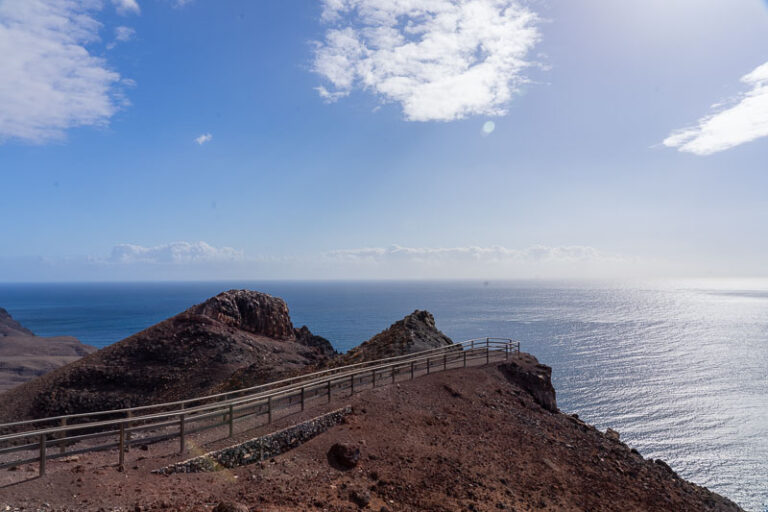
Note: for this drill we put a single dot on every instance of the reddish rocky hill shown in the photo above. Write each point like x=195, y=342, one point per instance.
x=414, y=333
x=188, y=355
x=24, y=356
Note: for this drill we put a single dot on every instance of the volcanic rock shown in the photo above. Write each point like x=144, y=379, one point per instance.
x=526, y=372
x=191, y=354
x=414, y=333
x=344, y=455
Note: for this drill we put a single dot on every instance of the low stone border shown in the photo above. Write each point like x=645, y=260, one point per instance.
x=259, y=448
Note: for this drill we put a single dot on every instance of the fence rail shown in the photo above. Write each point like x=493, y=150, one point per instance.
x=185, y=417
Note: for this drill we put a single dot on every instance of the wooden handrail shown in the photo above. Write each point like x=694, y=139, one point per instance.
x=293, y=388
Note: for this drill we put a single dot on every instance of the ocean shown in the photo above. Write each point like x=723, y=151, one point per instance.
x=679, y=368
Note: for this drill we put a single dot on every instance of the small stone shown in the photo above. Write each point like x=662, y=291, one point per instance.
x=229, y=506
x=612, y=434
x=360, y=497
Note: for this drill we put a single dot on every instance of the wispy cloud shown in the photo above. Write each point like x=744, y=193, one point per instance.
x=479, y=262
x=126, y=6
x=174, y=253
x=744, y=120
x=538, y=253
x=439, y=59
x=202, y=139
x=124, y=34
x=49, y=79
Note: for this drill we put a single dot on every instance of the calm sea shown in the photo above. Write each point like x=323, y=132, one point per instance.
x=679, y=368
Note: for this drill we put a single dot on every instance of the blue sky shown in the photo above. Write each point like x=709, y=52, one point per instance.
x=345, y=139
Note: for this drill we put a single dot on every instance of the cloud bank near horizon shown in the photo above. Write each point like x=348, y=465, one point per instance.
x=176, y=253
x=441, y=60
x=745, y=120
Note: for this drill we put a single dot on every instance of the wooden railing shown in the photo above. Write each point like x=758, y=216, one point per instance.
x=184, y=417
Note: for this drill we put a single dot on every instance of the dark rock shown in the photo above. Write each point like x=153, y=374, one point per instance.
x=612, y=435
x=322, y=345
x=344, y=456
x=360, y=497
x=665, y=466
x=414, y=333
x=526, y=372
x=228, y=506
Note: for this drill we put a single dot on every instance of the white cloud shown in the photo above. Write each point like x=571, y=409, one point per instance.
x=439, y=59
x=202, y=139
x=480, y=262
x=124, y=34
x=537, y=253
x=745, y=120
x=49, y=81
x=174, y=253
x=126, y=6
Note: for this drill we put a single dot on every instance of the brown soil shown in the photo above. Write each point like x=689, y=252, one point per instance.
x=453, y=441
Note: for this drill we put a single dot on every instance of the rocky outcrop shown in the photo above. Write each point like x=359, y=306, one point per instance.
x=305, y=337
x=526, y=372
x=414, y=333
x=24, y=356
x=10, y=327
x=191, y=354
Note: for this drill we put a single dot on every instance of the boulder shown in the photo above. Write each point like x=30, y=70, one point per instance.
x=344, y=455
x=534, y=378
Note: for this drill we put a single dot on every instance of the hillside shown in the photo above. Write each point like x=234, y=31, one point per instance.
x=414, y=333
x=477, y=439
x=188, y=355
x=24, y=356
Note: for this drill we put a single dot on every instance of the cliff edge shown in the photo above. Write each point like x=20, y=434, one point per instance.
x=24, y=356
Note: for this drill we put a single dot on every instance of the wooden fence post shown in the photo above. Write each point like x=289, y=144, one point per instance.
x=42, y=455
x=129, y=415
x=465, y=358
x=329, y=390
x=445, y=362
x=121, y=457
x=412, y=363
x=352, y=384
x=393, y=375
x=182, y=437
x=373, y=379
x=487, y=351
x=302, y=399
x=428, y=365
x=269, y=409
x=63, y=444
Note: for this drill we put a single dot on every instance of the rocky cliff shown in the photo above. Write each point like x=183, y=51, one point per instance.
x=414, y=333
x=190, y=354
x=24, y=356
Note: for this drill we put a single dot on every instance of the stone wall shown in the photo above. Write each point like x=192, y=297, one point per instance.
x=259, y=448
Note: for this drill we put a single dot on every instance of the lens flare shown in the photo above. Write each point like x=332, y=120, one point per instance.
x=488, y=127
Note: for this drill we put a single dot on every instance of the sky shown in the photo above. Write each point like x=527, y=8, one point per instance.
x=382, y=139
